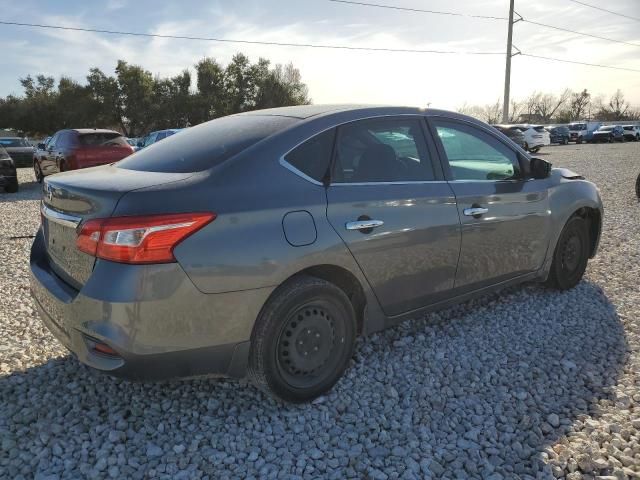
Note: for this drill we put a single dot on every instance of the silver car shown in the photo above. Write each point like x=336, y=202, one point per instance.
x=264, y=243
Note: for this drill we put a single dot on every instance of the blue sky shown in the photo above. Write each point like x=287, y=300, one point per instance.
x=445, y=81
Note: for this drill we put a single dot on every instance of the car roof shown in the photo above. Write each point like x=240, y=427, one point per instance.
x=82, y=131
x=307, y=111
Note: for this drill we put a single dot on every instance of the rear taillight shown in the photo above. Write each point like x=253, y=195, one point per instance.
x=144, y=239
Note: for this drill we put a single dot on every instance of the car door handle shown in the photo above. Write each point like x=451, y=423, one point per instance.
x=363, y=224
x=475, y=211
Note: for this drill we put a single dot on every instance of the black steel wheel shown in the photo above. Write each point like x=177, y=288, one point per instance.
x=571, y=255
x=303, y=340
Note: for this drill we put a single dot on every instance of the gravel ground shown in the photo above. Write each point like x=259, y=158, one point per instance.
x=530, y=383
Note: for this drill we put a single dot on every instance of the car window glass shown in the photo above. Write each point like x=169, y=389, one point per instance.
x=53, y=141
x=313, y=156
x=208, y=144
x=475, y=155
x=101, y=139
x=161, y=135
x=389, y=150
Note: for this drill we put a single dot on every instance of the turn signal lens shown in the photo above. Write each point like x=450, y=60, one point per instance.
x=144, y=239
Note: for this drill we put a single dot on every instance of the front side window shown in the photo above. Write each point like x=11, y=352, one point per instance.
x=474, y=155
x=387, y=150
x=313, y=156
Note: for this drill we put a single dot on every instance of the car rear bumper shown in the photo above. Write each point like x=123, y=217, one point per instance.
x=159, y=324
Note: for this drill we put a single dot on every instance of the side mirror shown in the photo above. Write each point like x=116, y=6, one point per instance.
x=539, y=168
x=41, y=146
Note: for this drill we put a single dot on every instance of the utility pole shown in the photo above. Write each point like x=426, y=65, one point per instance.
x=507, y=73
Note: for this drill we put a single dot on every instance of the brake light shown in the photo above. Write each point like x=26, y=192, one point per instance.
x=143, y=239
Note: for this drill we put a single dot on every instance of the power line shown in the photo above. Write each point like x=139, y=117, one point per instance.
x=579, y=63
x=251, y=42
x=303, y=45
x=419, y=10
x=545, y=25
x=579, y=33
x=605, y=10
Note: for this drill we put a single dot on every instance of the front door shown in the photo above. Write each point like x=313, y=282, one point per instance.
x=389, y=203
x=505, y=216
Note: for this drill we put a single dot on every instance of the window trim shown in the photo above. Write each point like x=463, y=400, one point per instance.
x=523, y=161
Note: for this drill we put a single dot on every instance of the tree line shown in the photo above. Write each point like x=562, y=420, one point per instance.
x=566, y=107
x=136, y=102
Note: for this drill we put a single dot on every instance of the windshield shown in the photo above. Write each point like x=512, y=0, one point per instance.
x=206, y=145
x=14, y=142
x=3, y=154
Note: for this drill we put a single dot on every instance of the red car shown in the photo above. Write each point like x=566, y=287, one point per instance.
x=79, y=148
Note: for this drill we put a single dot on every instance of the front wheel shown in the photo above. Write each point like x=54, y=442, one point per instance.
x=303, y=340
x=638, y=187
x=37, y=171
x=571, y=255
x=579, y=140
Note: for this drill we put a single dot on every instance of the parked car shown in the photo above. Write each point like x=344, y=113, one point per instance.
x=154, y=137
x=8, y=174
x=264, y=243
x=535, y=137
x=79, y=148
x=583, y=131
x=19, y=149
x=559, y=134
x=632, y=132
x=608, y=133
x=513, y=133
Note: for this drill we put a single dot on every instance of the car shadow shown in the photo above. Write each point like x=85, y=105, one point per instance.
x=30, y=190
x=484, y=387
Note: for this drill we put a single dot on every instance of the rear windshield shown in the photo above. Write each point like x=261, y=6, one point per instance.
x=14, y=142
x=577, y=126
x=605, y=129
x=207, y=145
x=101, y=139
x=630, y=127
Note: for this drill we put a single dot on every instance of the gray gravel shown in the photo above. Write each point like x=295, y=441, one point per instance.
x=530, y=383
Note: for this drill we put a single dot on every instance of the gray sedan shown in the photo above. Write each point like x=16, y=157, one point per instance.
x=264, y=243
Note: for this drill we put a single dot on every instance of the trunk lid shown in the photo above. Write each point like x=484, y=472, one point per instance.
x=71, y=198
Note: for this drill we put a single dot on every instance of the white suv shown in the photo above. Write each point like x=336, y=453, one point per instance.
x=535, y=137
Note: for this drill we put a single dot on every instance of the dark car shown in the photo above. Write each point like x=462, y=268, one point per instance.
x=632, y=132
x=79, y=148
x=559, y=134
x=608, y=133
x=8, y=175
x=19, y=149
x=514, y=134
x=264, y=243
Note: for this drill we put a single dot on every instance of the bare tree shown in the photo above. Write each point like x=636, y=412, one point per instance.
x=548, y=104
x=579, y=104
x=618, y=107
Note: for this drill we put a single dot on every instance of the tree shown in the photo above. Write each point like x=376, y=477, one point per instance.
x=616, y=109
x=135, y=102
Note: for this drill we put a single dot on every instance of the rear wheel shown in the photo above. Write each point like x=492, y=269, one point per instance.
x=303, y=340
x=579, y=140
x=571, y=255
x=566, y=141
x=638, y=186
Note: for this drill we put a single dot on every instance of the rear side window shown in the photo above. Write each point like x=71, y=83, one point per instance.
x=313, y=156
x=207, y=145
x=389, y=150
x=101, y=139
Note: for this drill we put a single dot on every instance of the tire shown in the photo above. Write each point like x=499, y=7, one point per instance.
x=579, y=140
x=638, y=187
x=565, y=141
x=12, y=187
x=305, y=313
x=38, y=172
x=535, y=150
x=526, y=147
x=571, y=255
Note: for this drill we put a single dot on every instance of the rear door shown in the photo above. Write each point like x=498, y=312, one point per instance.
x=48, y=163
x=505, y=216
x=387, y=200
